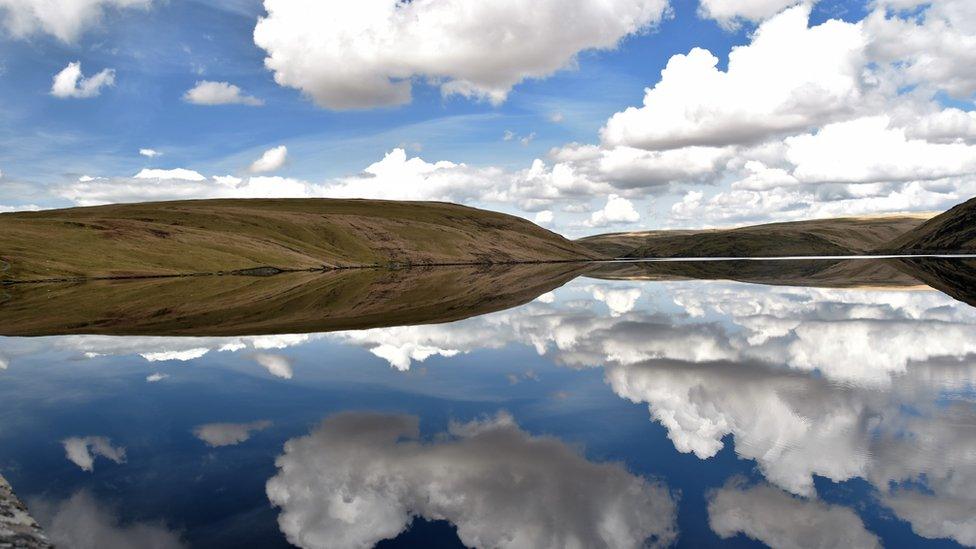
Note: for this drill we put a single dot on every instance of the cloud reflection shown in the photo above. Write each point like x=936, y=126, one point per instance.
x=82, y=451
x=359, y=478
x=81, y=522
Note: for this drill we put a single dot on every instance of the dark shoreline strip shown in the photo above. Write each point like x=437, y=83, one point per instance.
x=271, y=271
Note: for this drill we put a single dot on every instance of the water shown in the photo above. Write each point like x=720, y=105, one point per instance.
x=601, y=412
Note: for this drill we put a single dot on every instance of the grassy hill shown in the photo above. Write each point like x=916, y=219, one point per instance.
x=953, y=231
x=841, y=236
x=206, y=236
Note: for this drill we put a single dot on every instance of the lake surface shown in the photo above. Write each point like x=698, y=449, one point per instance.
x=806, y=404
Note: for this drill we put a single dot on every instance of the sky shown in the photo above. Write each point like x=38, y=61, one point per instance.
x=585, y=116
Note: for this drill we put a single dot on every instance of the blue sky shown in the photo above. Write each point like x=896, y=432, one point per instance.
x=159, y=50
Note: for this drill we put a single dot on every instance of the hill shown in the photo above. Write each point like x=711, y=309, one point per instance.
x=207, y=236
x=952, y=232
x=840, y=236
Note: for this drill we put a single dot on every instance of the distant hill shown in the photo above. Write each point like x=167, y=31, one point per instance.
x=953, y=231
x=206, y=236
x=840, y=236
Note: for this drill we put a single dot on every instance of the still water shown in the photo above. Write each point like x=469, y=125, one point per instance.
x=615, y=409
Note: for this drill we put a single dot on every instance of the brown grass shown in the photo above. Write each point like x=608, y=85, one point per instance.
x=206, y=236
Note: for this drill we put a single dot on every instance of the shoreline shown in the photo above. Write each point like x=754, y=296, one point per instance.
x=265, y=271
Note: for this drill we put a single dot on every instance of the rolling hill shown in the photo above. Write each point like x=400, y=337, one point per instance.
x=209, y=236
x=840, y=236
x=951, y=232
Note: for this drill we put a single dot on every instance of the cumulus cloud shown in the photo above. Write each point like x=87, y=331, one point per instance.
x=149, y=153
x=82, y=451
x=617, y=210
x=935, y=50
x=156, y=377
x=63, y=19
x=368, y=54
x=71, y=83
x=780, y=520
x=868, y=150
x=730, y=13
x=81, y=522
x=206, y=92
x=359, y=478
x=271, y=160
x=228, y=434
x=791, y=77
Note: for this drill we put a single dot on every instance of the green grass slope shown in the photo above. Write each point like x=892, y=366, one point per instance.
x=205, y=236
x=841, y=236
x=952, y=232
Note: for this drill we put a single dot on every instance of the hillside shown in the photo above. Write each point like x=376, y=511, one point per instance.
x=953, y=231
x=206, y=236
x=841, y=236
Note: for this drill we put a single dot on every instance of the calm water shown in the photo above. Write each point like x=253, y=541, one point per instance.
x=601, y=413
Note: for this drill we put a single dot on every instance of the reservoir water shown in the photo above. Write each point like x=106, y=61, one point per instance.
x=790, y=405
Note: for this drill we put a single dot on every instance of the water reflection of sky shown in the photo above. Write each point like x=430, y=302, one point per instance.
x=601, y=414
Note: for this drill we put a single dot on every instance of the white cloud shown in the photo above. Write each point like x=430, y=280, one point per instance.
x=149, y=173
x=367, y=54
x=936, y=50
x=180, y=183
x=944, y=126
x=228, y=434
x=81, y=522
x=156, y=377
x=82, y=451
x=359, y=478
x=219, y=93
x=760, y=177
x=730, y=13
x=63, y=19
x=780, y=520
x=271, y=160
x=276, y=365
x=557, y=117
x=617, y=210
x=791, y=77
x=867, y=150
x=544, y=217
x=149, y=153
x=70, y=83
